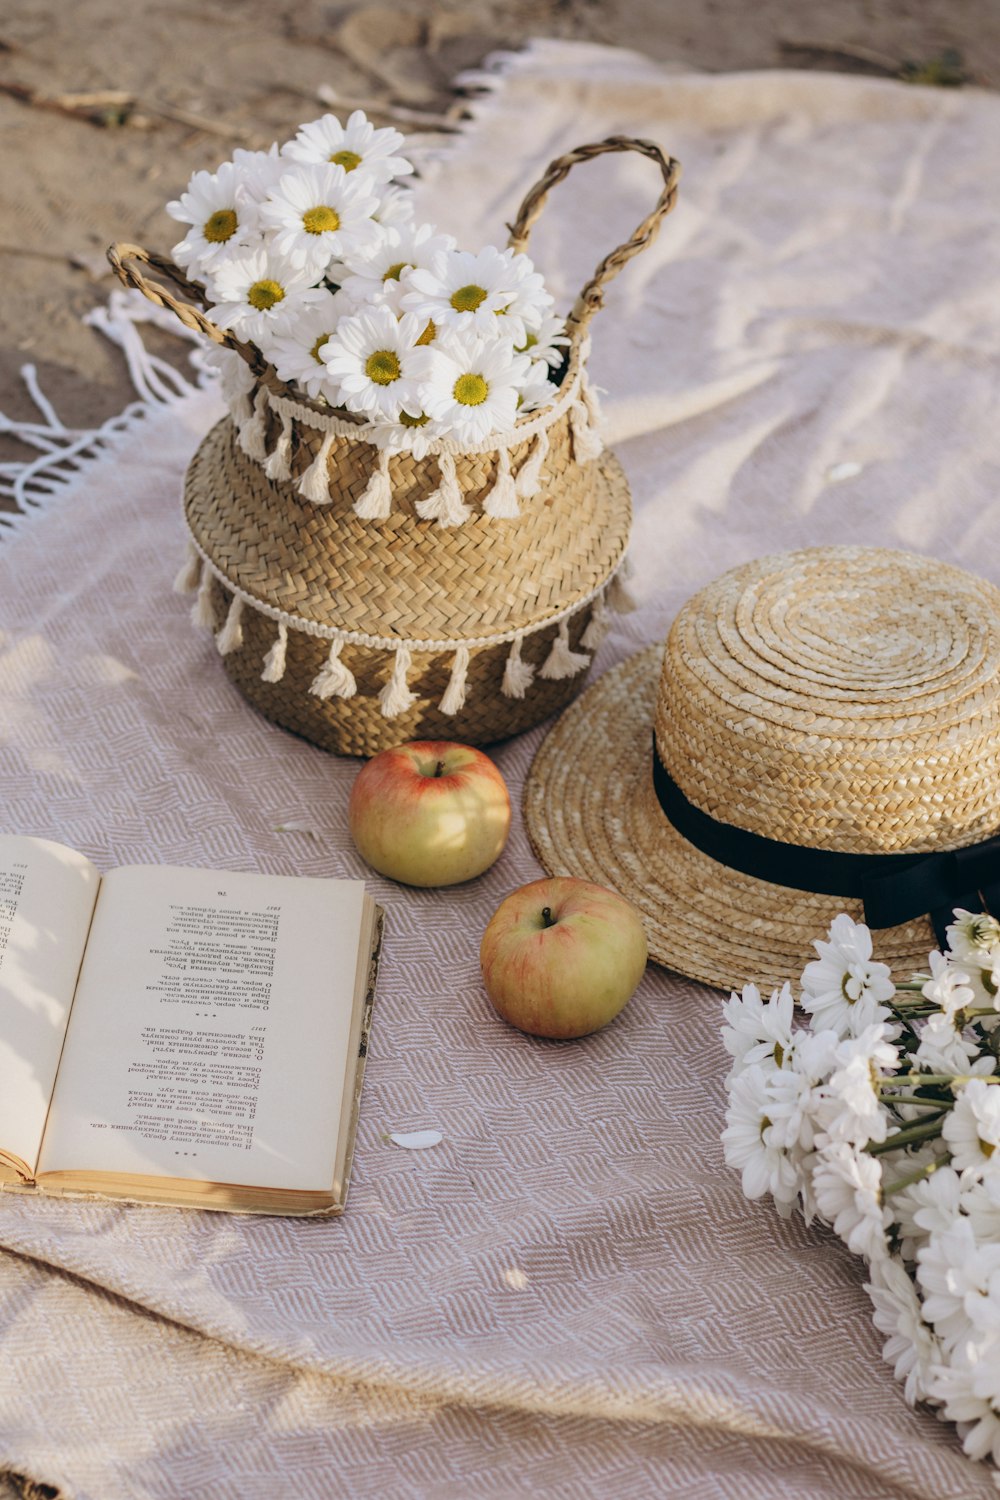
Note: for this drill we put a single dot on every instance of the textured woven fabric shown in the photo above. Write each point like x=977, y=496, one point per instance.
x=569, y=1296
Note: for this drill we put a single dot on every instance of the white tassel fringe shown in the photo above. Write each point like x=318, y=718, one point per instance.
x=446, y=505
x=501, y=502
x=203, y=612
x=334, y=680
x=230, y=637
x=274, y=661
x=454, y=697
x=518, y=675
x=619, y=596
x=561, y=661
x=253, y=431
x=279, y=465
x=395, y=698
x=315, y=482
x=236, y=381
x=529, y=475
x=375, y=501
x=583, y=420
x=189, y=577
x=597, y=626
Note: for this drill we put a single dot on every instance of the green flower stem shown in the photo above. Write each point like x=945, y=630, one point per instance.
x=923, y=1130
x=917, y=1176
x=936, y=1078
x=915, y=1099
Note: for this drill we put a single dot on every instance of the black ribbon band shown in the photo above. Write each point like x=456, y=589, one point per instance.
x=895, y=888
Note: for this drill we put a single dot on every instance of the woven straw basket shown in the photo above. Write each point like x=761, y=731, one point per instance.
x=362, y=596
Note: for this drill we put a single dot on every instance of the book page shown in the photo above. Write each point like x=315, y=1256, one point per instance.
x=47, y=895
x=210, y=1035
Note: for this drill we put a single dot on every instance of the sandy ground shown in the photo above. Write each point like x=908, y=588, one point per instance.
x=191, y=79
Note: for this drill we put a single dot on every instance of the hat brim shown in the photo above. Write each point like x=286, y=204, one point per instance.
x=591, y=812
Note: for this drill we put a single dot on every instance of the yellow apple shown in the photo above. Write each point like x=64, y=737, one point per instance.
x=429, y=812
x=561, y=957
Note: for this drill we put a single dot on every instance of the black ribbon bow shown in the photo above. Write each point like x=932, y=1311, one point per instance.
x=895, y=888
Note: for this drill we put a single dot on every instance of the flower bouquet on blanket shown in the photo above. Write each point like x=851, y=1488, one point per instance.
x=881, y=1118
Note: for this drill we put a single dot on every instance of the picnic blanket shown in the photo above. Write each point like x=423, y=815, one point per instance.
x=569, y=1296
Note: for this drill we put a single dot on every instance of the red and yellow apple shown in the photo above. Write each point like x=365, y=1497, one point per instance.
x=561, y=957
x=430, y=812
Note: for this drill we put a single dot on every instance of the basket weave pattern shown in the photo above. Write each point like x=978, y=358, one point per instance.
x=362, y=596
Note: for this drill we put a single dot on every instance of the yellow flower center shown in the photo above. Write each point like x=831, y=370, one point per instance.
x=263, y=295
x=220, y=226
x=429, y=333
x=346, y=159
x=382, y=367
x=314, y=351
x=986, y=1147
x=529, y=343
x=408, y=421
x=468, y=298
x=470, y=390
x=395, y=271
x=319, y=220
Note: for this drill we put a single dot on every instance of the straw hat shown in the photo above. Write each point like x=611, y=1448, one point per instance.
x=844, y=701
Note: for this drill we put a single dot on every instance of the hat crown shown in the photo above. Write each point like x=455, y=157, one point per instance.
x=842, y=698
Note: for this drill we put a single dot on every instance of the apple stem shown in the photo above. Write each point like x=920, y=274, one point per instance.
x=548, y=920
x=439, y=768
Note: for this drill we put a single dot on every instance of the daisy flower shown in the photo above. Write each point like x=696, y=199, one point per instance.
x=371, y=360
x=395, y=207
x=948, y=986
x=973, y=936
x=415, y=432
x=399, y=249
x=259, y=171
x=928, y=1205
x=943, y=1048
x=981, y=1201
x=530, y=307
x=221, y=216
x=972, y=1128
x=969, y=1391
x=758, y=1031
x=749, y=1142
x=844, y=988
x=469, y=291
x=294, y=351
x=547, y=342
x=470, y=384
x=356, y=145
x=936, y=1201
x=848, y=1188
x=538, y=390
x=317, y=213
x=256, y=291
x=853, y=1110
x=961, y=1283
x=910, y=1346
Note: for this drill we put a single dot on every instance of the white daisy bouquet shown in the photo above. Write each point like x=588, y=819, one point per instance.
x=881, y=1118
x=310, y=252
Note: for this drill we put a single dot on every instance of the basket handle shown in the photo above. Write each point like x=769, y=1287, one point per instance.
x=123, y=258
x=591, y=298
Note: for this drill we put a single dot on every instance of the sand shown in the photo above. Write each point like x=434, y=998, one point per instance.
x=249, y=69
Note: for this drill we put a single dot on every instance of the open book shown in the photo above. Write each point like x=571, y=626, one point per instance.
x=179, y=1036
